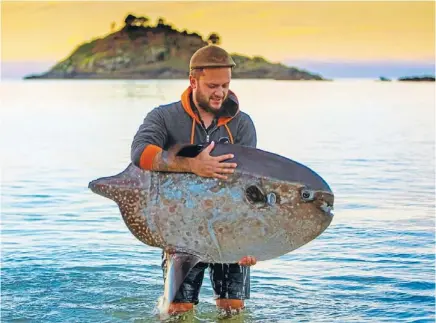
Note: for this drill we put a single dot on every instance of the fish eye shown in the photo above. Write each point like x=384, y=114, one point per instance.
x=307, y=195
x=254, y=194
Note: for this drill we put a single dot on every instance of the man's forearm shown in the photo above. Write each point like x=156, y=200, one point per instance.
x=165, y=161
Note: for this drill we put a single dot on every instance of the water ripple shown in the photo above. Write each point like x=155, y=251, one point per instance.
x=67, y=255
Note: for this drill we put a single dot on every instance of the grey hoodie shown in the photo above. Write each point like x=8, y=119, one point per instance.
x=177, y=123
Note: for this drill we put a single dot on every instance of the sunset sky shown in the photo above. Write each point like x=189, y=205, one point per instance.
x=291, y=32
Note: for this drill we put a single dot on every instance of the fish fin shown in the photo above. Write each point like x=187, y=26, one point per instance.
x=186, y=150
x=178, y=267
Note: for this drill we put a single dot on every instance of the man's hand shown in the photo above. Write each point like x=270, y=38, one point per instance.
x=247, y=261
x=207, y=166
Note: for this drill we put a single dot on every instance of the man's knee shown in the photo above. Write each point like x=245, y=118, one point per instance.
x=230, y=282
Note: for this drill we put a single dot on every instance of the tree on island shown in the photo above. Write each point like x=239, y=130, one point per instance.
x=214, y=38
x=160, y=22
x=141, y=21
x=129, y=19
x=132, y=20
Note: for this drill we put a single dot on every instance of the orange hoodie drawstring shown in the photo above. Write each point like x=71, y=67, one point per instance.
x=192, y=131
x=230, y=133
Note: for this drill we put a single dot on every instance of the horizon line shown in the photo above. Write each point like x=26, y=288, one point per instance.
x=327, y=60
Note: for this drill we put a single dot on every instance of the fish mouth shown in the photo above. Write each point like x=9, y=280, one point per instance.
x=327, y=209
x=326, y=203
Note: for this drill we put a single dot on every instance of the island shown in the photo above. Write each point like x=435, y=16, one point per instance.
x=424, y=78
x=140, y=50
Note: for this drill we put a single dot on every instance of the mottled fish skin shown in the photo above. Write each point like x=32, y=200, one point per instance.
x=130, y=190
x=214, y=219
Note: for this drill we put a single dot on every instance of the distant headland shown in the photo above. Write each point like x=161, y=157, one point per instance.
x=140, y=50
x=424, y=78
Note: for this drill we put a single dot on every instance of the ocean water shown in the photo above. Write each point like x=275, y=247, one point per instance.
x=66, y=255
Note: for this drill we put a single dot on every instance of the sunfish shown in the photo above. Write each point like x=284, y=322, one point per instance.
x=268, y=207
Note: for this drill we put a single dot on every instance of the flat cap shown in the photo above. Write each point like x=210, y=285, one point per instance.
x=211, y=56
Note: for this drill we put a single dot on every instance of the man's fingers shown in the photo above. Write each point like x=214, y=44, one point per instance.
x=227, y=165
x=222, y=169
x=209, y=148
x=244, y=261
x=248, y=261
x=225, y=170
x=216, y=175
x=224, y=157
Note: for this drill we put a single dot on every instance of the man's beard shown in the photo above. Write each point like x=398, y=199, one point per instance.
x=203, y=102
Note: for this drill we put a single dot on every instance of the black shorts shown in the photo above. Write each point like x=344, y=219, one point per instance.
x=229, y=281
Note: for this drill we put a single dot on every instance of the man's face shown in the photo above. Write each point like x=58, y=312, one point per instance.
x=211, y=88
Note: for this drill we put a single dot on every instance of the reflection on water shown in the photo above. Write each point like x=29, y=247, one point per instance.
x=67, y=256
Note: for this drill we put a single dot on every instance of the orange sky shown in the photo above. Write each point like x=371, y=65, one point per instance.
x=369, y=31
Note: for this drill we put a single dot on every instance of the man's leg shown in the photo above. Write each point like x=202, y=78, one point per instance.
x=231, y=285
x=187, y=295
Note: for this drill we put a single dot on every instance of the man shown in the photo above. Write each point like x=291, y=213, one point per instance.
x=208, y=112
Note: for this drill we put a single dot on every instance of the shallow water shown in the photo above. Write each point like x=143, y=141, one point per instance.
x=68, y=257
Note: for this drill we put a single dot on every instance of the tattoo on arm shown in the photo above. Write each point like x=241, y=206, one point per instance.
x=167, y=162
x=160, y=161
